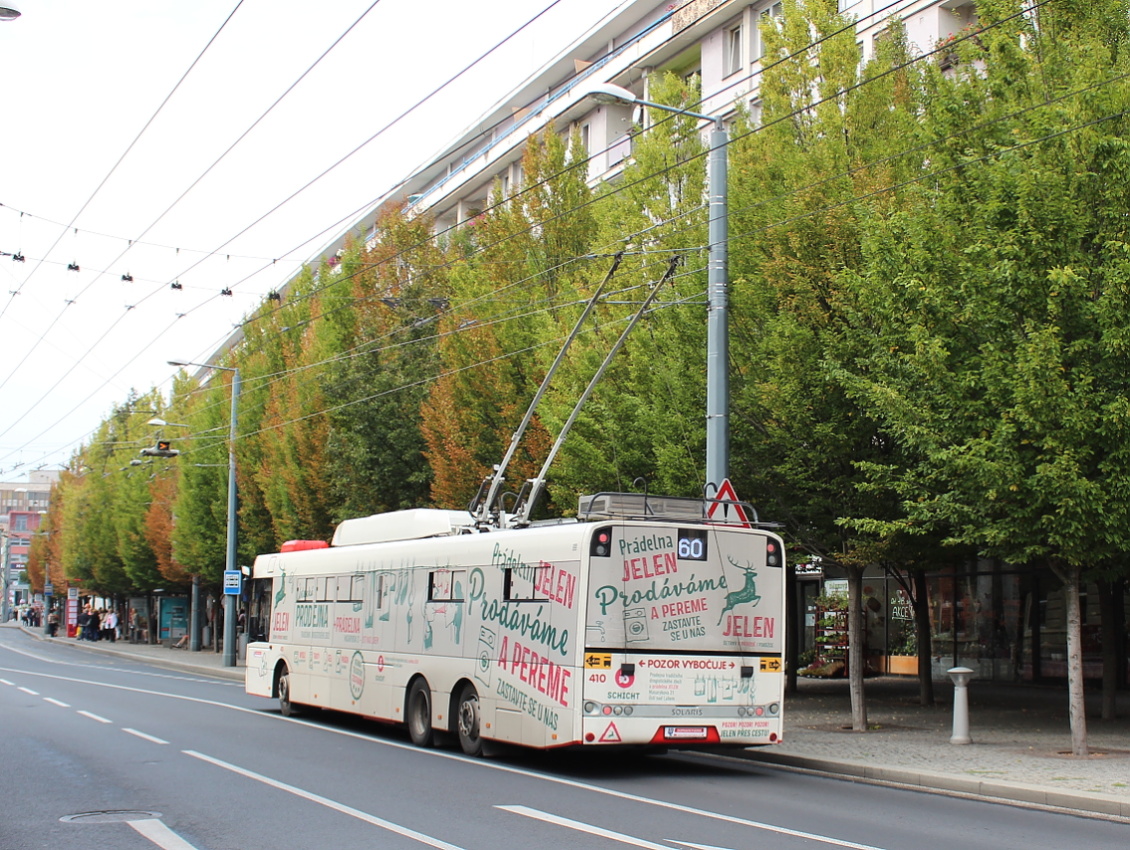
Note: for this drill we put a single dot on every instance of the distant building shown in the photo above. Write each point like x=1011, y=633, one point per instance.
x=22, y=506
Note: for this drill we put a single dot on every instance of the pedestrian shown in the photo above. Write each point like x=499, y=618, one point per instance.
x=53, y=622
x=83, y=623
x=91, y=631
x=110, y=626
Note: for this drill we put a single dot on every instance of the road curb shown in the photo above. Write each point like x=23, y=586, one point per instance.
x=1012, y=792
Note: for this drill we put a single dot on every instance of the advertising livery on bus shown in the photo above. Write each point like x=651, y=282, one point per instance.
x=643, y=622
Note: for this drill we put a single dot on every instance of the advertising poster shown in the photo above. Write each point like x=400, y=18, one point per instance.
x=173, y=618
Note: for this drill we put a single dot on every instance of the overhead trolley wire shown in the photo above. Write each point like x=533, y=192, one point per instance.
x=308, y=184
x=807, y=107
x=192, y=186
x=129, y=148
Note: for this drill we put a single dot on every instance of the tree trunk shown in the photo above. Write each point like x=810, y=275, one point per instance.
x=921, y=601
x=1111, y=590
x=856, y=649
x=1076, y=706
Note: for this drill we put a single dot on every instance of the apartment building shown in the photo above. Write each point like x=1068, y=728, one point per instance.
x=22, y=506
x=719, y=40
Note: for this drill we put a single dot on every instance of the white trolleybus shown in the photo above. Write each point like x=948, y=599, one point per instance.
x=644, y=622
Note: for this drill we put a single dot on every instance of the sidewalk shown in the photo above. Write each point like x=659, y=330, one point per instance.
x=1020, y=751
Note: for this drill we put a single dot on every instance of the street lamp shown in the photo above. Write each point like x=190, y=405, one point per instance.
x=229, y=599
x=717, y=297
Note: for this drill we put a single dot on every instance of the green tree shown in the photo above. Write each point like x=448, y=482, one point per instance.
x=1002, y=298
x=801, y=440
x=375, y=391
x=644, y=419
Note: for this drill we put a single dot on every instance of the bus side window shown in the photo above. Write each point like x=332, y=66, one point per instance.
x=447, y=585
x=381, y=591
x=324, y=591
x=349, y=588
x=523, y=584
x=307, y=590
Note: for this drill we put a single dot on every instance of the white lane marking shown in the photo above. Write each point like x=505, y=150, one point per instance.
x=328, y=803
x=108, y=667
x=29, y=691
x=6, y=682
x=95, y=717
x=557, y=780
x=584, y=827
x=128, y=689
x=57, y=702
x=161, y=835
x=143, y=735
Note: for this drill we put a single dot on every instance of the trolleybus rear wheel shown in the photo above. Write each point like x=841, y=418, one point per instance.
x=286, y=707
x=419, y=713
x=467, y=721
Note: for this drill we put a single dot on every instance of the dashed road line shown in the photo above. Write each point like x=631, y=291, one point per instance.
x=152, y=738
x=589, y=828
x=57, y=702
x=156, y=831
x=95, y=717
x=327, y=802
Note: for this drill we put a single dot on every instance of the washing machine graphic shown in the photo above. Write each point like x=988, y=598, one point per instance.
x=635, y=624
x=485, y=660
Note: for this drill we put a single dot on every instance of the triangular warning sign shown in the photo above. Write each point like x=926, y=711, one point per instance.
x=727, y=499
x=611, y=735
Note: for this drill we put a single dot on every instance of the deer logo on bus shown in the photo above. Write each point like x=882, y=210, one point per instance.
x=746, y=593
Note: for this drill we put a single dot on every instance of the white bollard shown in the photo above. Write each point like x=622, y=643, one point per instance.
x=960, y=677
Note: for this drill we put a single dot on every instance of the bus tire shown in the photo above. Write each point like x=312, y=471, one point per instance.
x=418, y=711
x=286, y=707
x=467, y=721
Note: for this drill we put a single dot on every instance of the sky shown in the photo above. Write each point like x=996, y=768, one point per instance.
x=129, y=148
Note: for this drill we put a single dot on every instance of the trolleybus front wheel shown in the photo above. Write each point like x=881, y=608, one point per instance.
x=467, y=721
x=419, y=713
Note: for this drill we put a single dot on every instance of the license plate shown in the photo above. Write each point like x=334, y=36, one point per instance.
x=675, y=732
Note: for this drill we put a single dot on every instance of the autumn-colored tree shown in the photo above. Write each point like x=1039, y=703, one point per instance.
x=513, y=296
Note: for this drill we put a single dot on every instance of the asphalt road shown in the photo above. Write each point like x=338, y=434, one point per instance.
x=198, y=764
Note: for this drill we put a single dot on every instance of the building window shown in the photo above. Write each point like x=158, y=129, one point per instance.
x=773, y=10
x=733, y=51
x=755, y=112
